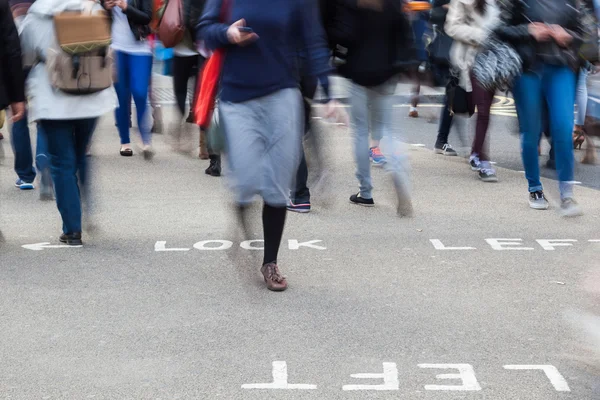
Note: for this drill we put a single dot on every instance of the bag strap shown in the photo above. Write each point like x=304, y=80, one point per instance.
x=225, y=10
x=88, y=7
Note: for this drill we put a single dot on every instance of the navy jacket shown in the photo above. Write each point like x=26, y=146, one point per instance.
x=269, y=64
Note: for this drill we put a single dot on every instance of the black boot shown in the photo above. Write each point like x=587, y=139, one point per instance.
x=214, y=169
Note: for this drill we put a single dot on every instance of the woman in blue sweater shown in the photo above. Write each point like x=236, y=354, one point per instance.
x=260, y=103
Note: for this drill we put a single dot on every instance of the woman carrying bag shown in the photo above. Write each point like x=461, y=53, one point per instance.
x=260, y=105
x=470, y=23
x=133, y=54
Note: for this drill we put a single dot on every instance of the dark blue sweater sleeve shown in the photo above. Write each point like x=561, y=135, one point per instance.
x=210, y=28
x=315, y=42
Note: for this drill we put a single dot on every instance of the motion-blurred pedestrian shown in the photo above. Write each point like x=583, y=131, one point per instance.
x=547, y=34
x=260, y=105
x=133, y=54
x=69, y=120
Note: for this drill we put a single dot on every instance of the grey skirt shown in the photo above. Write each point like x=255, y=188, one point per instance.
x=263, y=137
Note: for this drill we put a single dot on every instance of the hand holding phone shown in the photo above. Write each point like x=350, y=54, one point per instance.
x=238, y=34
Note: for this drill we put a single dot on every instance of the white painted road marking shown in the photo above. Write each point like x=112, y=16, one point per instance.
x=295, y=245
x=247, y=245
x=389, y=376
x=47, y=245
x=500, y=244
x=514, y=244
x=216, y=245
x=440, y=246
x=162, y=246
x=465, y=377
x=465, y=373
x=556, y=379
x=221, y=245
x=280, y=380
x=551, y=244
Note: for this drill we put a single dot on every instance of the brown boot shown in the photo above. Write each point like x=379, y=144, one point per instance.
x=203, y=148
x=273, y=278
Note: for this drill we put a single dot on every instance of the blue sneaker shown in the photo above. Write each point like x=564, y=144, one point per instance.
x=24, y=185
x=299, y=208
x=376, y=156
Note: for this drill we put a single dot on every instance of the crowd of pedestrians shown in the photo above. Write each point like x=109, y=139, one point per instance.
x=277, y=55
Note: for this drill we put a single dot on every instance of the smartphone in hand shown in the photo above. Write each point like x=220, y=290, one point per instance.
x=245, y=29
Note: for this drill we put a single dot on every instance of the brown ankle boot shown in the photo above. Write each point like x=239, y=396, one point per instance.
x=273, y=278
x=203, y=148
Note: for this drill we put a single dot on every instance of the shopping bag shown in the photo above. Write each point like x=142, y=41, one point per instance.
x=207, y=88
x=208, y=80
x=216, y=134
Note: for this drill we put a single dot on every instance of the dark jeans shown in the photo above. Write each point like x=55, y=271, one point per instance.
x=445, y=125
x=67, y=143
x=308, y=87
x=21, y=143
x=185, y=68
x=483, y=100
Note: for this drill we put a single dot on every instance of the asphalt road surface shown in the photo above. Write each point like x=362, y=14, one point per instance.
x=465, y=300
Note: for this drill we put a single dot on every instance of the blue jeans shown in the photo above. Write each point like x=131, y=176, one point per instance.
x=67, y=143
x=21, y=143
x=371, y=108
x=133, y=79
x=582, y=96
x=555, y=85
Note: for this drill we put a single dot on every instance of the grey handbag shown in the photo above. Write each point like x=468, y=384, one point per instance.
x=216, y=134
x=497, y=65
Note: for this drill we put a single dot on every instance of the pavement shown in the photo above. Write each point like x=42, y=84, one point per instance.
x=466, y=300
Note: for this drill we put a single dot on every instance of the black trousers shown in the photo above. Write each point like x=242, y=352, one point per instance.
x=301, y=195
x=445, y=125
x=185, y=68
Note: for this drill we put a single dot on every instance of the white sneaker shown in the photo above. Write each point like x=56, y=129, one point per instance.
x=538, y=201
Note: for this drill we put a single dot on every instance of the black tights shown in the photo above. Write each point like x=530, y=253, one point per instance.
x=273, y=222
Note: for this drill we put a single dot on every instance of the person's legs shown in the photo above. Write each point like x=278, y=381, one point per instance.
x=122, y=87
x=581, y=97
x=359, y=112
x=528, y=95
x=559, y=89
x=42, y=162
x=273, y=219
x=284, y=117
x=441, y=144
x=483, y=100
x=84, y=130
x=301, y=193
x=182, y=67
x=63, y=164
x=139, y=77
x=21, y=144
